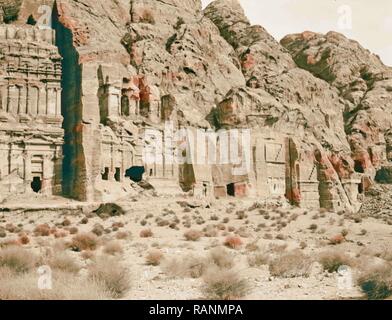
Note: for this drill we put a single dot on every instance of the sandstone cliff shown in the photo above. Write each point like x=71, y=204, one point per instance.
x=213, y=69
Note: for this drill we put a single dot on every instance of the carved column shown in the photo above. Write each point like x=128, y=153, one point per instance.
x=47, y=174
x=58, y=102
x=27, y=166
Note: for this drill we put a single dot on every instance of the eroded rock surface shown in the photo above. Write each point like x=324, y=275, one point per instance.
x=316, y=105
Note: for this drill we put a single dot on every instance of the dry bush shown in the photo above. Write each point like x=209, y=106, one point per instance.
x=73, y=230
x=291, y=264
x=66, y=286
x=258, y=259
x=24, y=239
x=376, y=282
x=154, y=258
x=337, y=239
x=224, y=284
x=386, y=254
x=98, y=230
x=42, y=230
x=221, y=258
x=123, y=235
x=332, y=260
x=147, y=17
x=66, y=222
x=17, y=259
x=87, y=255
x=193, y=235
x=64, y=262
x=189, y=266
x=113, y=248
x=84, y=241
x=210, y=231
x=109, y=273
x=60, y=234
x=241, y=215
x=233, y=242
x=146, y=233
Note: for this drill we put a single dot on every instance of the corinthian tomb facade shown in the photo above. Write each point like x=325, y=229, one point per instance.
x=31, y=134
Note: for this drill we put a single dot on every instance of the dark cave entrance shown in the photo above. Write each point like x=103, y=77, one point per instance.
x=36, y=184
x=105, y=174
x=358, y=167
x=230, y=190
x=135, y=173
x=117, y=175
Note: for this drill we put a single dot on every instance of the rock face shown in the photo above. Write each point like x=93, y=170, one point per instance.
x=310, y=122
x=31, y=136
x=364, y=84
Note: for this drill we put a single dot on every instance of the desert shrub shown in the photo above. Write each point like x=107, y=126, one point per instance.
x=154, y=257
x=291, y=264
x=386, y=254
x=109, y=273
x=73, y=230
x=189, y=266
x=193, y=235
x=210, y=231
x=98, y=230
x=87, y=255
x=24, y=239
x=224, y=284
x=84, y=241
x=337, y=239
x=147, y=17
x=113, y=248
x=221, y=257
x=241, y=215
x=233, y=242
x=64, y=262
x=42, y=230
x=17, y=259
x=122, y=235
x=332, y=260
x=258, y=259
x=66, y=222
x=376, y=283
x=66, y=286
x=146, y=233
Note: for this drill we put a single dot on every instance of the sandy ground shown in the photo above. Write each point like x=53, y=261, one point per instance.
x=260, y=228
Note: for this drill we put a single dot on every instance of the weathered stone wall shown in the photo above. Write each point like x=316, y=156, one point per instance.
x=30, y=111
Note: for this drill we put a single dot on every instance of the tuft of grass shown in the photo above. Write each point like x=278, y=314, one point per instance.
x=146, y=233
x=84, y=241
x=376, y=282
x=66, y=286
x=113, y=248
x=42, y=230
x=224, y=284
x=64, y=262
x=258, y=259
x=189, y=266
x=122, y=235
x=290, y=265
x=111, y=275
x=233, y=242
x=332, y=260
x=154, y=258
x=17, y=259
x=193, y=235
x=220, y=257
